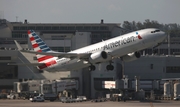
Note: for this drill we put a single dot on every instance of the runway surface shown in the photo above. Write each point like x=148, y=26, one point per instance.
x=26, y=103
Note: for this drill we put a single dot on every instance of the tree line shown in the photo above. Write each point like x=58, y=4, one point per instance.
x=172, y=29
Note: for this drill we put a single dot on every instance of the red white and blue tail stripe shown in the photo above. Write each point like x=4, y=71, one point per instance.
x=39, y=46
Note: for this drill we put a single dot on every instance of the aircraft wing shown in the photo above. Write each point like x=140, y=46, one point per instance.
x=60, y=54
x=27, y=64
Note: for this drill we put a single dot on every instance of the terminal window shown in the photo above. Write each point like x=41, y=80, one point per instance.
x=8, y=72
x=61, y=49
x=173, y=69
x=5, y=58
x=151, y=66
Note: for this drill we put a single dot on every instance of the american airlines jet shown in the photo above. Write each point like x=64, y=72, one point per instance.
x=126, y=47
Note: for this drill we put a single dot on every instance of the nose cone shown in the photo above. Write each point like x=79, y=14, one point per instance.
x=162, y=35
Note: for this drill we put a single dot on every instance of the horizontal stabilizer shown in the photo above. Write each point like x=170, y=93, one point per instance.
x=18, y=45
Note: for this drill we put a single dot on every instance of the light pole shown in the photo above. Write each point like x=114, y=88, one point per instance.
x=169, y=50
x=122, y=69
x=64, y=44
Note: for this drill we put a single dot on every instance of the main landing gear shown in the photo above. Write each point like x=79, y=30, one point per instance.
x=109, y=67
x=92, y=68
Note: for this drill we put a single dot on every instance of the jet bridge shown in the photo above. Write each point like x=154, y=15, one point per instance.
x=65, y=88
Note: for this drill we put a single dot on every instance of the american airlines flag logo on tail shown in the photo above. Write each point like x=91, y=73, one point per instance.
x=39, y=46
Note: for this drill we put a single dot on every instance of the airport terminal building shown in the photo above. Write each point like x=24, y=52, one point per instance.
x=64, y=37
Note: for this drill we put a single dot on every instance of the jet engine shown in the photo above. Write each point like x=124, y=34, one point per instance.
x=131, y=56
x=99, y=57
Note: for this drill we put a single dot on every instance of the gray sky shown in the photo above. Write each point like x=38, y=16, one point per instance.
x=90, y=11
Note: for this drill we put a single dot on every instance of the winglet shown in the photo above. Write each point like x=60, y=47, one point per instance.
x=18, y=45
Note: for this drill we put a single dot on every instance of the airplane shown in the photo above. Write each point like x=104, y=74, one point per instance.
x=125, y=46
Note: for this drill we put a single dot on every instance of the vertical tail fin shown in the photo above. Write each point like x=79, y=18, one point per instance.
x=37, y=43
x=39, y=46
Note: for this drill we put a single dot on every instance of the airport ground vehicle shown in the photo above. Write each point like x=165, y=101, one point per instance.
x=79, y=99
x=70, y=100
x=83, y=98
x=3, y=96
x=50, y=96
x=177, y=98
x=67, y=100
x=11, y=96
x=37, y=99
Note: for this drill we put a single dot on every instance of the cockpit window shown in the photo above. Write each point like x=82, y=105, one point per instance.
x=155, y=31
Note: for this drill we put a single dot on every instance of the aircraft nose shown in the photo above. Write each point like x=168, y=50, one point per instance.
x=162, y=35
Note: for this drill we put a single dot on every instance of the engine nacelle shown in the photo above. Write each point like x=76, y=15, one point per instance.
x=98, y=57
x=131, y=56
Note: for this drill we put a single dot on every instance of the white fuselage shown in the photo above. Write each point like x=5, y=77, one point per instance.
x=115, y=47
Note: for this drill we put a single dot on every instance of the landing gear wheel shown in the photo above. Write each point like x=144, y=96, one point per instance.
x=92, y=68
x=110, y=67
